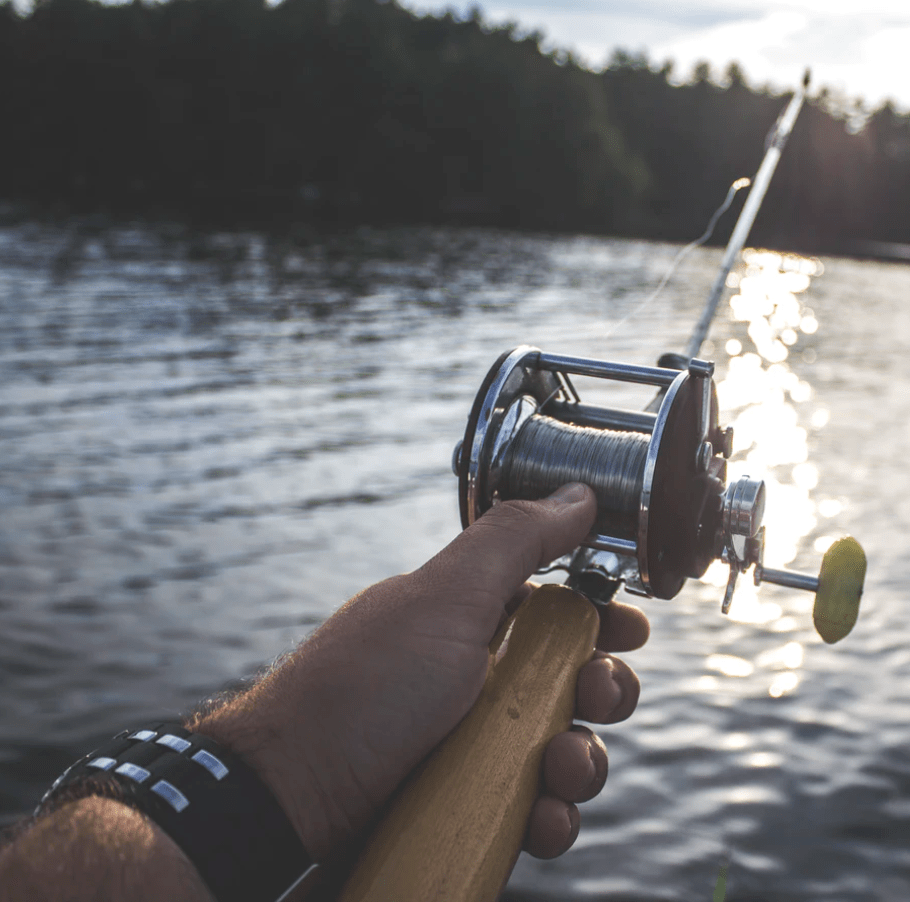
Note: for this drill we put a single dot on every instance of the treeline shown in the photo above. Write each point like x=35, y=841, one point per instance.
x=236, y=112
x=842, y=183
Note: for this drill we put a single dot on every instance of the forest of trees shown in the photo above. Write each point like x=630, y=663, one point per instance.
x=235, y=112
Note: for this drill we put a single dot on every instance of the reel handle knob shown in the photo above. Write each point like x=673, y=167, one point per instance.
x=838, y=587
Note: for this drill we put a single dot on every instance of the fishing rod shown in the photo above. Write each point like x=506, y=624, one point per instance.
x=774, y=144
x=665, y=512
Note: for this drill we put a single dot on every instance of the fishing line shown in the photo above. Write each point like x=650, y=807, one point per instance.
x=548, y=453
x=712, y=223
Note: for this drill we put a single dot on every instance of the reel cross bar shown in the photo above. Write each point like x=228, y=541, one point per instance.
x=612, y=544
x=604, y=369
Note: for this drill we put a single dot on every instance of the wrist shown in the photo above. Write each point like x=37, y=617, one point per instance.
x=210, y=803
x=275, y=747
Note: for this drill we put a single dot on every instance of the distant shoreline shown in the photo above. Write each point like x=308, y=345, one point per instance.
x=309, y=231
x=234, y=114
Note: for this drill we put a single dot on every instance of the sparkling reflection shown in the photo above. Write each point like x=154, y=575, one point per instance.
x=789, y=656
x=783, y=683
x=734, y=742
x=764, y=759
x=729, y=665
x=823, y=543
x=764, y=400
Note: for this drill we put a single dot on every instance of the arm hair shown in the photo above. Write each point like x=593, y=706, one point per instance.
x=97, y=850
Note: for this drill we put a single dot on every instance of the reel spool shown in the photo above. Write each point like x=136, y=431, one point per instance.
x=665, y=511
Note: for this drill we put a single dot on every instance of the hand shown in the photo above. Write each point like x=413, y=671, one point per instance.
x=336, y=727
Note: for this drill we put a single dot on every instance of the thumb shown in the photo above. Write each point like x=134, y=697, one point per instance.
x=495, y=555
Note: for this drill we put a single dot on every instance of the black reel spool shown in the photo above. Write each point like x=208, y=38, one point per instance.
x=664, y=510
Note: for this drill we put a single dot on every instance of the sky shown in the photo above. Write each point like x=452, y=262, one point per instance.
x=855, y=54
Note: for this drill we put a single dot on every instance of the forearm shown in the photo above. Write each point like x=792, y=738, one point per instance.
x=331, y=732
x=97, y=849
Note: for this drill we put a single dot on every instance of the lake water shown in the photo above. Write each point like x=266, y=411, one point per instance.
x=209, y=442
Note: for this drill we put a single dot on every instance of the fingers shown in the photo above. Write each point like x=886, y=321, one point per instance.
x=623, y=627
x=574, y=770
x=495, y=555
x=552, y=827
x=608, y=690
x=575, y=765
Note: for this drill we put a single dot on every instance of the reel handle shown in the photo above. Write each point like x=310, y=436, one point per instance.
x=456, y=827
x=838, y=587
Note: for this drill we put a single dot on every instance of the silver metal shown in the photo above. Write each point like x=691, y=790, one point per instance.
x=603, y=369
x=214, y=765
x=530, y=434
x=634, y=585
x=743, y=534
x=602, y=417
x=609, y=564
x=133, y=771
x=456, y=458
x=568, y=389
x=517, y=376
x=728, y=592
x=540, y=454
x=744, y=507
x=611, y=544
x=296, y=883
x=521, y=410
x=660, y=425
x=701, y=368
x=786, y=578
x=177, y=743
x=171, y=794
x=753, y=553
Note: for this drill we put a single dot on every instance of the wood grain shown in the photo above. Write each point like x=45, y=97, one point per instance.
x=454, y=831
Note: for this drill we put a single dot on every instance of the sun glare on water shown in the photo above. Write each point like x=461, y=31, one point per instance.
x=765, y=402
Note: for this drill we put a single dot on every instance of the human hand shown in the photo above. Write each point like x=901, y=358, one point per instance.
x=337, y=726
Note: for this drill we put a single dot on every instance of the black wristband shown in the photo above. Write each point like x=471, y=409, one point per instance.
x=205, y=798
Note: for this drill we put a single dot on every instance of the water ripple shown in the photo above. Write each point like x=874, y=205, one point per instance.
x=209, y=441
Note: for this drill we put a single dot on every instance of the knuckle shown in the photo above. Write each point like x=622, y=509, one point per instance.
x=517, y=512
x=517, y=524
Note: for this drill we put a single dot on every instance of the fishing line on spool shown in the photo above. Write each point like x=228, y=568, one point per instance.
x=548, y=453
x=712, y=223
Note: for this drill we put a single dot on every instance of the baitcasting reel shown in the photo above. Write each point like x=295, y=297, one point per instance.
x=665, y=511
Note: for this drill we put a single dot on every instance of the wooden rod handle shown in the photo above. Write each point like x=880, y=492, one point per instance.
x=453, y=832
